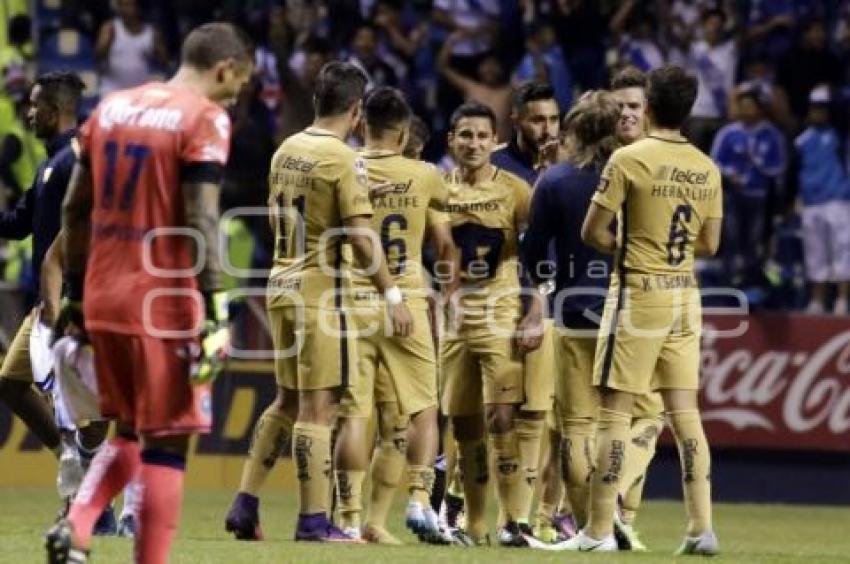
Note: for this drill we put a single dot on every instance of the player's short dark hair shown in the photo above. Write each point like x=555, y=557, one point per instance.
x=338, y=87
x=61, y=89
x=472, y=110
x=531, y=92
x=214, y=42
x=385, y=108
x=629, y=77
x=419, y=129
x=670, y=95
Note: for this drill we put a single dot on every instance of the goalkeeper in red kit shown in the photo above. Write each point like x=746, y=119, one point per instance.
x=140, y=224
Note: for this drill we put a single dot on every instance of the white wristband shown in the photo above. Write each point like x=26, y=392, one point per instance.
x=393, y=296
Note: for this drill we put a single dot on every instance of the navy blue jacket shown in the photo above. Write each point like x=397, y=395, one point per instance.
x=39, y=211
x=558, y=208
x=515, y=161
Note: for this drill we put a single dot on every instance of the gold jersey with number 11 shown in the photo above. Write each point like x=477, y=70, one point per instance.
x=316, y=181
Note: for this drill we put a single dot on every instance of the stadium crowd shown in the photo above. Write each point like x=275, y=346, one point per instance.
x=773, y=80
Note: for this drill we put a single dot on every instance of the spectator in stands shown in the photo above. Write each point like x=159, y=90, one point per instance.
x=758, y=75
x=364, y=54
x=128, y=48
x=20, y=150
x=807, y=65
x=634, y=30
x=491, y=87
x=273, y=46
x=18, y=50
x=544, y=62
x=768, y=28
x=751, y=155
x=824, y=191
x=681, y=23
x=251, y=149
x=404, y=41
x=714, y=60
x=296, y=105
x=582, y=33
x=477, y=23
x=474, y=24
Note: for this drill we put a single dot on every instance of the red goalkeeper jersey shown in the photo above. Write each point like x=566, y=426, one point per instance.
x=140, y=145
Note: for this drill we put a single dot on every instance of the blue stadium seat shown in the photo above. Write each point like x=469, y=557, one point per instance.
x=47, y=13
x=67, y=49
x=65, y=46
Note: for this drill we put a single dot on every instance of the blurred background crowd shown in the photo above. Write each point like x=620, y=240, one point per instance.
x=774, y=80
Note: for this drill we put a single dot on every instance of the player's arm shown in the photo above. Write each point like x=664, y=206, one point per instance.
x=596, y=229
x=367, y=251
x=440, y=234
x=76, y=223
x=105, y=37
x=540, y=231
x=201, y=187
x=16, y=223
x=530, y=329
x=202, y=161
x=708, y=240
x=447, y=255
x=200, y=200
x=610, y=195
x=51, y=280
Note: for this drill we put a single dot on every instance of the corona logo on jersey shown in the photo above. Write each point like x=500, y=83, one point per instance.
x=120, y=111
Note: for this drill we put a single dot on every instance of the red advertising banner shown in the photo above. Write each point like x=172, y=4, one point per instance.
x=777, y=381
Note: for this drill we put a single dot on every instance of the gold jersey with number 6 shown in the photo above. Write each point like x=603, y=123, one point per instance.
x=662, y=191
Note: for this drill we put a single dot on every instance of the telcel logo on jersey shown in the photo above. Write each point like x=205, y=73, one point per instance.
x=298, y=164
x=682, y=176
x=400, y=187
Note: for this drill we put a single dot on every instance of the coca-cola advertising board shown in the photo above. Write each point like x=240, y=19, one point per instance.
x=776, y=381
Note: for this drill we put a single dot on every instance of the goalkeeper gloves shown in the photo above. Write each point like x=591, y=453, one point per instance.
x=215, y=339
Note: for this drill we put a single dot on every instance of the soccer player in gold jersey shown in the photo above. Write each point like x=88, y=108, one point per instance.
x=399, y=375
x=667, y=197
x=629, y=87
x=482, y=347
x=319, y=197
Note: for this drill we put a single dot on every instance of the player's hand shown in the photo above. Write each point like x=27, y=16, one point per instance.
x=548, y=152
x=529, y=333
x=401, y=318
x=215, y=350
x=48, y=311
x=453, y=313
x=215, y=340
x=69, y=321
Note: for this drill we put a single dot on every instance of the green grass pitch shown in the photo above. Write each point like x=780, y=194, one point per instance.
x=752, y=534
